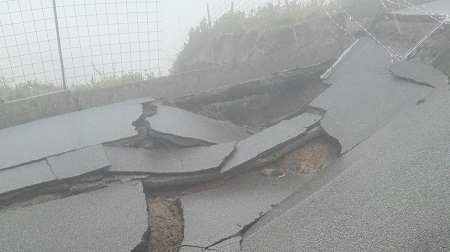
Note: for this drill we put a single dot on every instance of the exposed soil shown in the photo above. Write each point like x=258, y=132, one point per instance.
x=165, y=212
x=309, y=158
x=165, y=218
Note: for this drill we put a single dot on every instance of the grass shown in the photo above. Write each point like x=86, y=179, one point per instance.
x=266, y=17
x=101, y=79
x=10, y=90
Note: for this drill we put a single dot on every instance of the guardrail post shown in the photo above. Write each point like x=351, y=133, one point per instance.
x=210, y=35
x=288, y=9
x=61, y=61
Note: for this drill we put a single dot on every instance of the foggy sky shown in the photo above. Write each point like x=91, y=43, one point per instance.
x=104, y=33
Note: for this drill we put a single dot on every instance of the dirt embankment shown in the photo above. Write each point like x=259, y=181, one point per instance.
x=261, y=102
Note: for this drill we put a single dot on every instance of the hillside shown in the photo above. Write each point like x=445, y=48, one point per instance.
x=239, y=36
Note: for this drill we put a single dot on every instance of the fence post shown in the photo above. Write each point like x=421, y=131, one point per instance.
x=61, y=61
x=292, y=22
x=210, y=36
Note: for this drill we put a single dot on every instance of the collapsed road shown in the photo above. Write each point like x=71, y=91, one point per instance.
x=368, y=172
x=213, y=196
x=100, y=165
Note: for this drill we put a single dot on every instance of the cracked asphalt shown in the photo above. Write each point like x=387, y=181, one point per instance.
x=387, y=191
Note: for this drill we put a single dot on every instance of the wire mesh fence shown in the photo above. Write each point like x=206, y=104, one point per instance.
x=97, y=43
x=71, y=43
x=76, y=42
x=29, y=49
x=289, y=12
x=240, y=16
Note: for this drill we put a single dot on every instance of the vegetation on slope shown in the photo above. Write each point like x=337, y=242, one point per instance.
x=10, y=90
x=272, y=16
x=235, y=21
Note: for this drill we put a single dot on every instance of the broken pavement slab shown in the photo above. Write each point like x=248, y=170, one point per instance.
x=78, y=162
x=187, y=125
x=391, y=195
x=59, y=134
x=419, y=71
x=363, y=96
x=161, y=161
x=110, y=219
x=213, y=215
x=268, y=140
x=325, y=76
x=24, y=176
